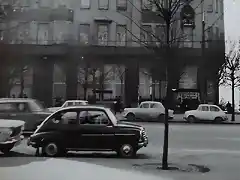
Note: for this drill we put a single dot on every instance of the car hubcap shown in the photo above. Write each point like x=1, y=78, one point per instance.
x=126, y=149
x=51, y=149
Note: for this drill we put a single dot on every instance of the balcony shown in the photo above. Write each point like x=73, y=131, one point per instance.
x=42, y=14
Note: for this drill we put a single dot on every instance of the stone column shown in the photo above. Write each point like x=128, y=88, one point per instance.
x=42, y=88
x=131, y=83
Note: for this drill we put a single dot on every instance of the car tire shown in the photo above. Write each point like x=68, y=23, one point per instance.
x=191, y=119
x=51, y=149
x=218, y=120
x=126, y=151
x=6, y=149
x=161, y=118
x=131, y=117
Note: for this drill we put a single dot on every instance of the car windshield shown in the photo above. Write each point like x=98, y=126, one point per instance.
x=112, y=116
x=36, y=106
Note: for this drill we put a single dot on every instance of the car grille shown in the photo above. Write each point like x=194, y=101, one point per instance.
x=16, y=131
x=144, y=135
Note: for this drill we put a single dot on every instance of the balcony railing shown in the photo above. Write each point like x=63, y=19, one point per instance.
x=41, y=14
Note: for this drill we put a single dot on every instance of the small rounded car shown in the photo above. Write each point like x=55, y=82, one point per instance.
x=69, y=103
x=147, y=110
x=206, y=112
x=10, y=134
x=87, y=128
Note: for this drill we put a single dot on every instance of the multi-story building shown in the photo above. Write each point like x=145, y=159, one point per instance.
x=62, y=39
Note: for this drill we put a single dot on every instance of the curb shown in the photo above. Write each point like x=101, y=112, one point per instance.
x=184, y=122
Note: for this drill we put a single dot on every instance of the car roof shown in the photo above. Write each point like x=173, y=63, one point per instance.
x=151, y=102
x=16, y=99
x=84, y=107
x=207, y=105
x=76, y=101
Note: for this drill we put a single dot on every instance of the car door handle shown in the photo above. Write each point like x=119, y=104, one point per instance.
x=13, y=114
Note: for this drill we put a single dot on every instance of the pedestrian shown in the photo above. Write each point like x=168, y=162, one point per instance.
x=229, y=107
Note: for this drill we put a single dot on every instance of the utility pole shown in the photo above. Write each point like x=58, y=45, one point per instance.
x=202, y=77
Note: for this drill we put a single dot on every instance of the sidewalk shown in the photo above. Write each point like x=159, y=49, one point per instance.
x=178, y=118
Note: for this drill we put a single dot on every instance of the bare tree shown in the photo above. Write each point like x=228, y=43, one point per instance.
x=120, y=72
x=230, y=72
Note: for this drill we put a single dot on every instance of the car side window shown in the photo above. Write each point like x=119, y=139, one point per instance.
x=144, y=105
x=65, y=117
x=93, y=117
x=155, y=105
x=22, y=107
x=204, y=108
x=7, y=107
x=214, y=109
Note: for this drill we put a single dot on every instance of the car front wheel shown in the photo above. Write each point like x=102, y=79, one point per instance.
x=191, y=119
x=131, y=117
x=126, y=151
x=51, y=149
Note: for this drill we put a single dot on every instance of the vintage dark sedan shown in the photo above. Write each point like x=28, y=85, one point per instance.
x=87, y=128
x=28, y=110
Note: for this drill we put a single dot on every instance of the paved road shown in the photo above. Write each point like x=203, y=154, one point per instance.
x=215, y=146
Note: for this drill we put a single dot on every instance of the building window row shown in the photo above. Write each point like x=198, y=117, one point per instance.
x=61, y=32
x=104, y=4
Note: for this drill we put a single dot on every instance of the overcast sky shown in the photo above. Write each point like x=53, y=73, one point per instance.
x=232, y=32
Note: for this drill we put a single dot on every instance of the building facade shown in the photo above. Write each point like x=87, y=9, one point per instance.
x=106, y=40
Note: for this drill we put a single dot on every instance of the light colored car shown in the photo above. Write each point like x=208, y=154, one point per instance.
x=10, y=134
x=147, y=110
x=206, y=112
x=69, y=103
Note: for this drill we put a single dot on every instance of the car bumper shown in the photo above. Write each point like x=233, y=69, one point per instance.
x=15, y=140
x=143, y=144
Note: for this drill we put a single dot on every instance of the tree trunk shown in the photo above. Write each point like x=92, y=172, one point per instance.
x=21, y=82
x=153, y=91
x=167, y=102
x=233, y=100
x=85, y=83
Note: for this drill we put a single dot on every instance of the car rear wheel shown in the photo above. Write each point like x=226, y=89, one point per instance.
x=6, y=149
x=131, y=117
x=218, y=120
x=126, y=151
x=191, y=119
x=51, y=149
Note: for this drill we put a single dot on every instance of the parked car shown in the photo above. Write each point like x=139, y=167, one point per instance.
x=10, y=134
x=206, y=112
x=69, y=103
x=147, y=110
x=87, y=128
x=28, y=110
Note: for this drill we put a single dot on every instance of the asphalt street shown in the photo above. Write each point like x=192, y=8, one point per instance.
x=214, y=146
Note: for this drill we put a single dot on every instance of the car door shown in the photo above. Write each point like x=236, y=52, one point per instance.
x=215, y=112
x=66, y=128
x=97, y=130
x=143, y=111
x=203, y=112
x=155, y=110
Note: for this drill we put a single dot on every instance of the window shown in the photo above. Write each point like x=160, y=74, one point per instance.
x=7, y=107
x=146, y=34
x=85, y=4
x=144, y=105
x=121, y=4
x=102, y=34
x=204, y=108
x=156, y=105
x=93, y=117
x=42, y=34
x=121, y=35
x=23, y=32
x=216, y=5
x=65, y=117
x=146, y=5
x=160, y=34
x=215, y=109
x=22, y=107
x=103, y=4
x=84, y=33
x=221, y=9
x=210, y=6
x=24, y=3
